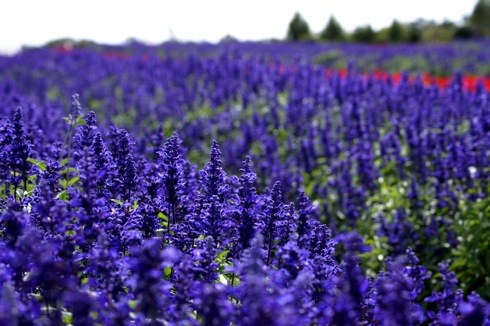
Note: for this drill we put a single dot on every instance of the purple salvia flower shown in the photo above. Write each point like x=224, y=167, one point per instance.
x=213, y=177
x=247, y=195
x=213, y=305
x=21, y=151
x=76, y=107
x=306, y=212
x=271, y=217
x=395, y=297
x=171, y=157
x=146, y=266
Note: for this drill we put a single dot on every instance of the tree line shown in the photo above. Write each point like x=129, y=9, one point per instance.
x=477, y=25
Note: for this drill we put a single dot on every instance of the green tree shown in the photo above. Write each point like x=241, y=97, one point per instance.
x=463, y=33
x=480, y=18
x=414, y=33
x=396, y=32
x=364, y=34
x=333, y=31
x=298, y=29
x=443, y=32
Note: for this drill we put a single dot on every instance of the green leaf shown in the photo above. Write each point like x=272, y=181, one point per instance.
x=132, y=304
x=68, y=119
x=41, y=165
x=20, y=193
x=222, y=279
x=168, y=271
x=163, y=217
x=62, y=195
x=163, y=220
x=73, y=180
x=135, y=205
x=221, y=257
x=67, y=317
x=463, y=128
x=119, y=202
x=64, y=183
x=80, y=121
x=68, y=170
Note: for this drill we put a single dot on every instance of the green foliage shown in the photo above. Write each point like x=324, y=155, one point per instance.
x=74, y=122
x=364, y=34
x=414, y=34
x=480, y=18
x=463, y=33
x=396, y=32
x=472, y=256
x=40, y=164
x=439, y=33
x=333, y=31
x=68, y=183
x=67, y=317
x=168, y=272
x=53, y=94
x=404, y=63
x=298, y=29
x=332, y=59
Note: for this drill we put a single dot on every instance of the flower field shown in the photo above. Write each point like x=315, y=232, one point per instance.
x=245, y=184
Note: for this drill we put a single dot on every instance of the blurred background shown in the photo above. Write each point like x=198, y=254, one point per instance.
x=36, y=23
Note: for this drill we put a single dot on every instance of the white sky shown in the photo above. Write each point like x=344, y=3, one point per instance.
x=35, y=22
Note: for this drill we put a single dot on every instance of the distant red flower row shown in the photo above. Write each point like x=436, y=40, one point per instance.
x=470, y=82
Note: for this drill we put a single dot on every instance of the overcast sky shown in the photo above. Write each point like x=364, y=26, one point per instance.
x=35, y=22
